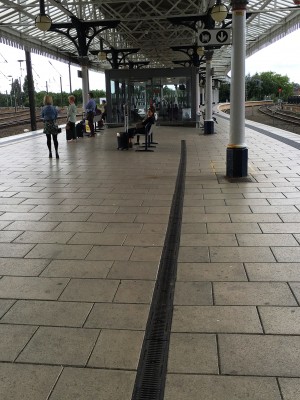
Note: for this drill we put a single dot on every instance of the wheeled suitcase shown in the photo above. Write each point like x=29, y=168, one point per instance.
x=69, y=134
x=79, y=129
x=123, y=140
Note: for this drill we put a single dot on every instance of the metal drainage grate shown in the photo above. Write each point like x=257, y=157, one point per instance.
x=152, y=368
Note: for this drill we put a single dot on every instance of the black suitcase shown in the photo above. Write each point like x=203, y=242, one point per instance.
x=79, y=129
x=69, y=135
x=123, y=141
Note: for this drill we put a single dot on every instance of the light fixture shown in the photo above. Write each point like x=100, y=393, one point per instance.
x=219, y=11
x=200, y=51
x=101, y=56
x=43, y=22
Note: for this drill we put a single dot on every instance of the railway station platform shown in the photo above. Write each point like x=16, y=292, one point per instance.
x=81, y=242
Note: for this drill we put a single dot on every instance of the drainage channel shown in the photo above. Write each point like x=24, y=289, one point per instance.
x=152, y=368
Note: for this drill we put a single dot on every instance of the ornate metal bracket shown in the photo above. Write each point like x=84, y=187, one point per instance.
x=117, y=57
x=191, y=51
x=81, y=33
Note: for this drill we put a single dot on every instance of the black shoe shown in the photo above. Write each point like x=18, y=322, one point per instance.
x=57, y=156
x=50, y=154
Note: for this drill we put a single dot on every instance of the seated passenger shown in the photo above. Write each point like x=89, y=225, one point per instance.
x=140, y=126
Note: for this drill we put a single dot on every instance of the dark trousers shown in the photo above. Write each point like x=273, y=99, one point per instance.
x=55, y=141
x=73, y=130
x=136, y=131
x=90, y=118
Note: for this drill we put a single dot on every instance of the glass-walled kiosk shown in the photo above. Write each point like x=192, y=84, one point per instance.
x=171, y=91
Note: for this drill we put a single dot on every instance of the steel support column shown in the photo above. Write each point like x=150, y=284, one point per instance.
x=30, y=91
x=208, y=122
x=237, y=152
x=85, y=84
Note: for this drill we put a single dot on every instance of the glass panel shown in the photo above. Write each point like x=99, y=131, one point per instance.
x=171, y=98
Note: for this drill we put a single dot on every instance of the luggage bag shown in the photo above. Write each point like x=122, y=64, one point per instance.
x=123, y=140
x=69, y=135
x=79, y=129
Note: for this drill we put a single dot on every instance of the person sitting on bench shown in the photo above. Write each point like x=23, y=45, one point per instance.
x=140, y=126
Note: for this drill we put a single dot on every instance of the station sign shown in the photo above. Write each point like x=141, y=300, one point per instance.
x=213, y=37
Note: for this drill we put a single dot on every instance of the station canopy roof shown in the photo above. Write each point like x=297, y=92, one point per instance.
x=160, y=33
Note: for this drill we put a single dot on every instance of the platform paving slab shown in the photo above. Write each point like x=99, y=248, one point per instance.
x=17, y=250
x=117, y=349
x=77, y=269
x=22, y=267
x=218, y=319
x=260, y=355
x=90, y=290
x=212, y=387
x=24, y=381
x=110, y=253
x=17, y=287
x=193, y=293
x=78, y=383
x=146, y=270
x=118, y=316
x=290, y=388
x=280, y=320
x=238, y=227
x=271, y=272
x=43, y=237
x=242, y=254
x=13, y=339
x=193, y=353
x=37, y=226
x=80, y=227
x=295, y=286
x=211, y=272
x=286, y=254
x=58, y=251
x=253, y=293
x=207, y=239
x=259, y=218
x=266, y=239
x=48, y=313
x=134, y=291
x=193, y=254
x=55, y=345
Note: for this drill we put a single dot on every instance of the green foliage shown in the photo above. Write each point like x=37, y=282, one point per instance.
x=224, y=92
x=13, y=98
x=268, y=85
x=262, y=86
x=5, y=100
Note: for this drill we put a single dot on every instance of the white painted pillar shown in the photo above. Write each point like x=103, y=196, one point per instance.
x=237, y=152
x=197, y=92
x=203, y=95
x=85, y=84
x=208, y=123
x=217, y=95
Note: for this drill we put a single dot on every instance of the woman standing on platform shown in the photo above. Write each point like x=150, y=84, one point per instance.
x=49, y=115
x=71, y=118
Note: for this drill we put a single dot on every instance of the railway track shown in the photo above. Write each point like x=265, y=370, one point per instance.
x=286, y=117
x=21, y=117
